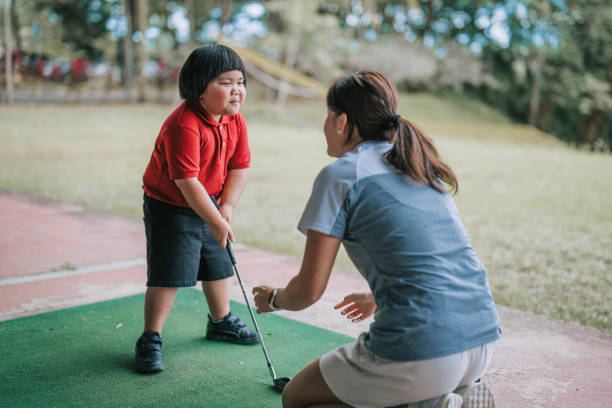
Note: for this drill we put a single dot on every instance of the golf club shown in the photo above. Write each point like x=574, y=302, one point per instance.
x=279, y=382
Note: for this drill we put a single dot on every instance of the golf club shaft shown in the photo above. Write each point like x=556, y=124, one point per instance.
x=228, y=246
x=246, y=299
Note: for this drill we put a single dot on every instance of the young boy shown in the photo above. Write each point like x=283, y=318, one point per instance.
x=201, y=152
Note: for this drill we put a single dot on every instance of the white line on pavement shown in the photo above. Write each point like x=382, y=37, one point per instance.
x=71, y=272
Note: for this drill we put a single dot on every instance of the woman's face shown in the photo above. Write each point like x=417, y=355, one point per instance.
x=224, y=95
x=334, y=134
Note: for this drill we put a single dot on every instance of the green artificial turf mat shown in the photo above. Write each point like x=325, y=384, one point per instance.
x=82, y=357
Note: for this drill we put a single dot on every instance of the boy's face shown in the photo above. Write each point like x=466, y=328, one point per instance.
x=224, y=95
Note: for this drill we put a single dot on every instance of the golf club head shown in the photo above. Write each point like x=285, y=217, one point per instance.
x=280, y=383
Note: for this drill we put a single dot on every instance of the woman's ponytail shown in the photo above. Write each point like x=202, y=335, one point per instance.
x=414, y=153
x=370, y=102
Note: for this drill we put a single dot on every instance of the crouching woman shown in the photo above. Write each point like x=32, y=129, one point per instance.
x=385, y=198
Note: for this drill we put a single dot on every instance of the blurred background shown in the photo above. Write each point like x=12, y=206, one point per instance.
x=542, y=62
x=516, y=94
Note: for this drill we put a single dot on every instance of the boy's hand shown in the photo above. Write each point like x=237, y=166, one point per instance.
x=198, y=199
x=221, y=232
x=226, y=211
x=359, y=306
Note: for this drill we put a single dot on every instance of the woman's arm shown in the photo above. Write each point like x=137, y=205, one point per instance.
x=198, y=199
x=310, y=283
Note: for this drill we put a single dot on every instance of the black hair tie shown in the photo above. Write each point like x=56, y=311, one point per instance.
x=394, y=120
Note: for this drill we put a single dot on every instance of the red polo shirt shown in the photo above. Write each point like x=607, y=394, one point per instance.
x=192, y=144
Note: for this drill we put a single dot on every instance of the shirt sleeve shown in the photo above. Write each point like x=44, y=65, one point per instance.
x=183, y=152
x=241, y=158
x=327, y=207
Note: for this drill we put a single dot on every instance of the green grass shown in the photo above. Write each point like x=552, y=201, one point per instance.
x=539, y=213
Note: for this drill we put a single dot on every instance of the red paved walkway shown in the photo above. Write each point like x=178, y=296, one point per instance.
x=54, y=255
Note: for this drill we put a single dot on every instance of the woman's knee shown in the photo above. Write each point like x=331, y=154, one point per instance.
x=293, y=391
x=308, y=387
x=286, y=397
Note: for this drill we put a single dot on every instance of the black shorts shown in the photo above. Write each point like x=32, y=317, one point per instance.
x=180, y=248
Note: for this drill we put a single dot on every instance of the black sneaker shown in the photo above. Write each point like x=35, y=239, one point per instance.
x=149, y=357
x=232, y=330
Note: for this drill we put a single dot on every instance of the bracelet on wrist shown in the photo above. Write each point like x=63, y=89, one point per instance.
x=271, y=300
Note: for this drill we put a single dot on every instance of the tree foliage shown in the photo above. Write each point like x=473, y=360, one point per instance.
x=551, y=59
x=544, y=62
x=82, y=21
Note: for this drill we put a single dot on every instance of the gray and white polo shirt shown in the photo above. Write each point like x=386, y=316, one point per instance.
x=432, y=294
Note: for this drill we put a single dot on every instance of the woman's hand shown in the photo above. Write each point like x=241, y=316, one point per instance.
x=357, y=306
x=261, y=295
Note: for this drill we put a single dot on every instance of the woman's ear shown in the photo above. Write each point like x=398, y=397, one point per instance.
x=341, y=122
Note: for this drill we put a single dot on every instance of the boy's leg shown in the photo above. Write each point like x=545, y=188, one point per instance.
x=173, y=257
x=222, y=324
x=148, y=354
x=158, y=303
x=308, y=388
x=217, y=297
x=214, y=272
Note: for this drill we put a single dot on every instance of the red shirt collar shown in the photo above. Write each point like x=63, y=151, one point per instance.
x=201, y=112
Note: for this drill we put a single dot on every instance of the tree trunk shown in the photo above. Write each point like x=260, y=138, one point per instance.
x=143, y=17
x=534, y=102
x=226, y=15
x=537, y=67
x=16, y=26
x=293, y=43
x=8, y=50
x=128, y=48
x=590, y=128
x=190, y=8
x=606, y=130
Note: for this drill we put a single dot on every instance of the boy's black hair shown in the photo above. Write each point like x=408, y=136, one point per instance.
x=204, y=64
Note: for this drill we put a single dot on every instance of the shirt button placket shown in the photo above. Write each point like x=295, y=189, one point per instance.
x=221, y=134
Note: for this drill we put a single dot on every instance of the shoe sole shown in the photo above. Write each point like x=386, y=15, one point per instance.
x=479, y=396
x=450, y=401
x=149, y=369
x=231, y=339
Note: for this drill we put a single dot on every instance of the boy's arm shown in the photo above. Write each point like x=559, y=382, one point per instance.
x=198, y=199
x=234, y=185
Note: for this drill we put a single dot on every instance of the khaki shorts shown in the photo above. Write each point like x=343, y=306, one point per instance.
x=363, y=380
